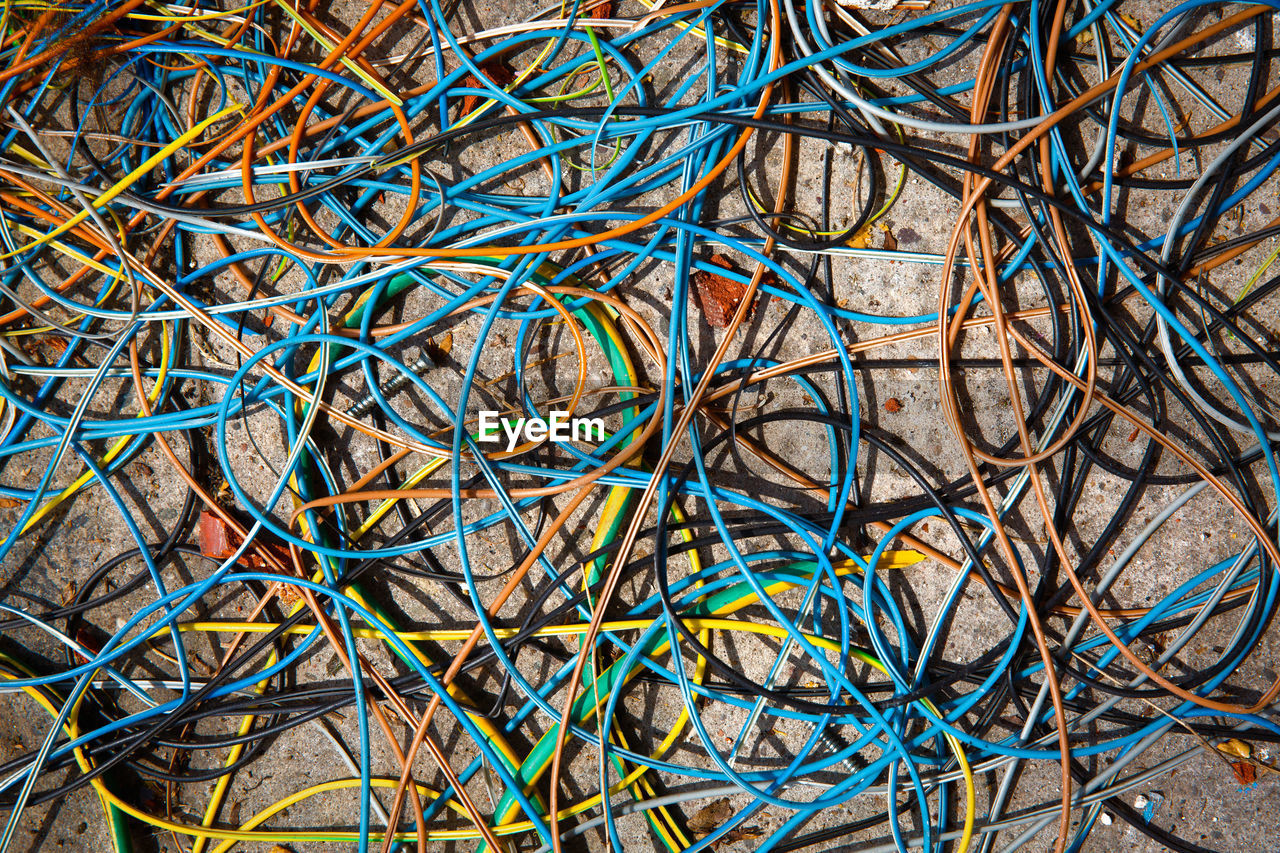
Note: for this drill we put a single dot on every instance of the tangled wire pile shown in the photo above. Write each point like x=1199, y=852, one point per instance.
x=917, y=370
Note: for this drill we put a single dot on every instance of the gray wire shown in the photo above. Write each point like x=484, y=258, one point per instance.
x=1044, y=814
x=1170, y=243
x=1077, y=627
x=135, y=290
x=874, y=113
x=136, y=202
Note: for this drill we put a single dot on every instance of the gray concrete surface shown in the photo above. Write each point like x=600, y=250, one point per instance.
x=1202, y=801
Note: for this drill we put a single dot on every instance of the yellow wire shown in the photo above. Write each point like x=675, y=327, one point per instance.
x=231, y=837
x=1253, y=279
x=347, y=61
x=128, y=180
x=245, y=833
x=209, y=16
x=701, y=33
x=113, y=452
x=219, y=792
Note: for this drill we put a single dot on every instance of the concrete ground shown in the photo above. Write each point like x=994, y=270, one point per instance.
x=1200, y=800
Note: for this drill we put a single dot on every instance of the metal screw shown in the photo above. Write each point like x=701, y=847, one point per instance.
x=836, y=744
x=366, y=404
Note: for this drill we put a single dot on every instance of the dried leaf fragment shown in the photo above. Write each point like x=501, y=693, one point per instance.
x=862, y=239
x=219, y=541
x=717, y=295
x=890, y=241
x=498, y=72
x=439, y=350
x=1236, y=747
x=213, y=535
x=733, y=836
x=1246, y=774
x=893, y=404
x=709, y=817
